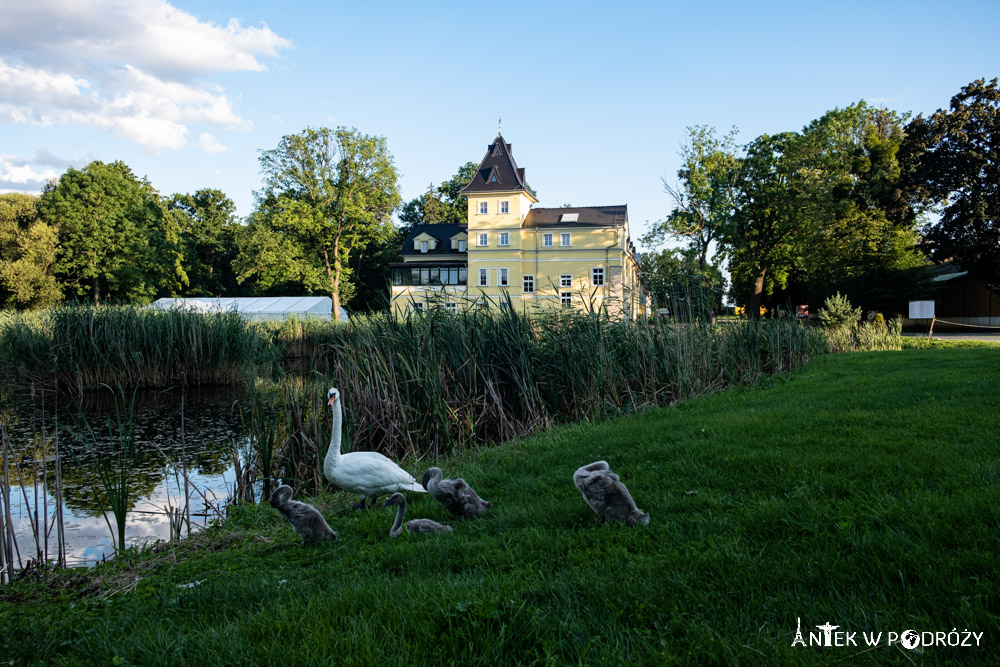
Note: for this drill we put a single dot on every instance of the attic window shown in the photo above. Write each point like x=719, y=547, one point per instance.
x=494, y=179
x=569, y=217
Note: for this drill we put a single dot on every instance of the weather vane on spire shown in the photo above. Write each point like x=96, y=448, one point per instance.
x=500, y=124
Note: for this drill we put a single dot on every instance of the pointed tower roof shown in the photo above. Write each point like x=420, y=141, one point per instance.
x=497, y=172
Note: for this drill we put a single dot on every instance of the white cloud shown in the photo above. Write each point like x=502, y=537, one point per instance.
x=150, y=34
x=210, y=144
x=139, y=107
x=124, y=66
x=18, y=175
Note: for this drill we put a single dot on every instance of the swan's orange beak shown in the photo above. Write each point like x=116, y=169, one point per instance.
x=333, y=399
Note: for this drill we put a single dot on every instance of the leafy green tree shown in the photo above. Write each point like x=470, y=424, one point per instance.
x=327, y=195
x=858, y=230
x=113, y=242
x=677, y=281
x=954, y=158
x=442, y=204
x=703, y=197
x=759, y=237
x=27, y=255
x=207, y=227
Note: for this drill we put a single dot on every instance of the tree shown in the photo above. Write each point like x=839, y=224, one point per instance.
x=703, y=198
x=677, y=281
x=207, y=227
x=112, y=238
x=327, y=195
x=759, y=237
x=443, y=204
x=27, y=255
x=954, y=157
x=858, y=232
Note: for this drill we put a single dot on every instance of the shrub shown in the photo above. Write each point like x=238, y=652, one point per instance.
x=837, y=312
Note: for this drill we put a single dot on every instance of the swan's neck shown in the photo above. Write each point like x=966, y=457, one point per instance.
x=432, y=481
x=397, y=525
x=333, y=452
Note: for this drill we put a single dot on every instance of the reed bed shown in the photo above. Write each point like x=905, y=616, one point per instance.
x=433, y=384
x=88, y=347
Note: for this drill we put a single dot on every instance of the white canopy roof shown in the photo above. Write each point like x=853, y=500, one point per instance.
x=258, y=308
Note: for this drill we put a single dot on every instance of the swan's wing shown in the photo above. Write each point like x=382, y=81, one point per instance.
x=375, y=471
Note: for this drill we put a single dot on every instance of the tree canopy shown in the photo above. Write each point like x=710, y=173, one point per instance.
x=327, y=194
x=27, y=254
x=956, y=164
x=112, y=239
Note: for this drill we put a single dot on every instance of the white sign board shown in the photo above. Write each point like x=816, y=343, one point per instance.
x=921, y=310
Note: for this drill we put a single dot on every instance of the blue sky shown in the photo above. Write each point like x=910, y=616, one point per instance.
x=595, y=97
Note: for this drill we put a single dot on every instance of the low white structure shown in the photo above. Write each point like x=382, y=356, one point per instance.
x=258, y=308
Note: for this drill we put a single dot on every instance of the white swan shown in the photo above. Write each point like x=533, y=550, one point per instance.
x=368, y=474
x=606, y=495
x=414, y=526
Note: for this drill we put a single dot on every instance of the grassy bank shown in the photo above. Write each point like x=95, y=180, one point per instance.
x=860, y=491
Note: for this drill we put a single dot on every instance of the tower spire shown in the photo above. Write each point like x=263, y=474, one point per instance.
x=500, y=124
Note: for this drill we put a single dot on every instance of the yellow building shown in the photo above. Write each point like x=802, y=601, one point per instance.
x=580, y=257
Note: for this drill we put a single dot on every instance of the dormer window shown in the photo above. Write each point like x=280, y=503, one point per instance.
x=423, y=246
x=461, y=245
x=483, y=208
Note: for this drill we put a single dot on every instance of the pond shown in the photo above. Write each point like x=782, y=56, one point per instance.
x=203, y=448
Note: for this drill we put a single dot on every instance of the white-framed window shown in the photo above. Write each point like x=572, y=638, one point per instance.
x=484, y=208
x=418, y=306
x=451, y=306
x=505, y=207
x=504, y=238
x=565, y=280
x=423, y=246
x=566, y=298
x=504, y=276
x=528, y=284
x=546, y=240
x=565, y=238
x=462, y=245
x=597, y=276
x=484, y=239
x=483, y=280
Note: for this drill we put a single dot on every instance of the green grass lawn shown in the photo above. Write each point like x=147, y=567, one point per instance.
x=863, y=491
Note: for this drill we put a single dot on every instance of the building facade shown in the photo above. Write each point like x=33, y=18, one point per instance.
x=511, y=252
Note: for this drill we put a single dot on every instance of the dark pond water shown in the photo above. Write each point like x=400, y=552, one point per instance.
x=211, y=426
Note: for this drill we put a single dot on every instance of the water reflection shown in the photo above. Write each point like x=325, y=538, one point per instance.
x=211, y=423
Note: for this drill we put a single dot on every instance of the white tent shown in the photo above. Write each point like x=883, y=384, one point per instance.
x=258, y=308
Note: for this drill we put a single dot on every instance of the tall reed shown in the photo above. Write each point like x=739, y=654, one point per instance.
x=114, y=471
x=430, y=384
x=86, y=347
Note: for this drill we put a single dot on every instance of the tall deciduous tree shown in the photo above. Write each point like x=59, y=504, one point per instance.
x=207, y=227
x=859, y=221
x=702, y=198
x=955, y=158
x=442, y=204
x=327, y=194
x=112, y=240
x=759, y=237
x=27, y=254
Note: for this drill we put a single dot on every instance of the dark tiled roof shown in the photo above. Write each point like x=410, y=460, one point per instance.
x=499, y=162
x=442, y=232
x=587, y=216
